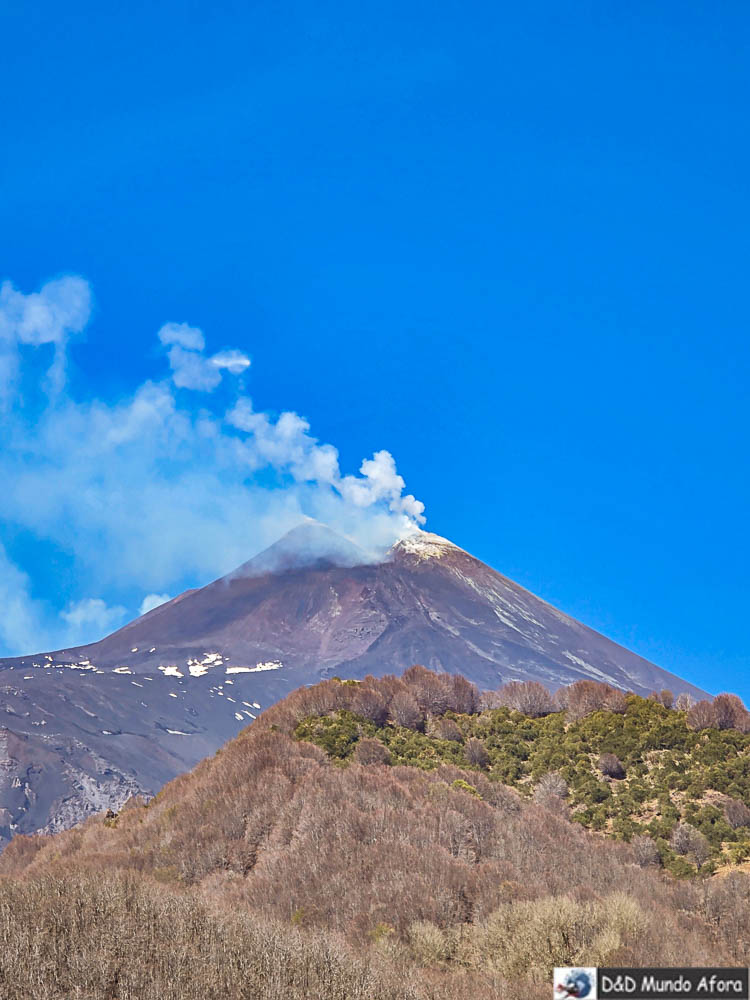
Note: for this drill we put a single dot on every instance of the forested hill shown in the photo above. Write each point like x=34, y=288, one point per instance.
x=675, y=782
x=282, y=869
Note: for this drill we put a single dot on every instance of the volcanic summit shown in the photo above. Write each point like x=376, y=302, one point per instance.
x=86, y=727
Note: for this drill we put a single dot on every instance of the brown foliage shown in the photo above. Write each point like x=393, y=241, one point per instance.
x=611, y=765
x=585, y=697
x=684, y=701
x=701, y=715
x=616, y=701
x=444, y=729
x=405, y=711
x=372, y=752
x=476, y=753
x=687, y=840
x=103, y=936
x=551, y=791
x=728, y=711
x=737, y=813
x=443, y=880
x=666, y=697
x=645, y=851
x=528, y=697
x=370, y=704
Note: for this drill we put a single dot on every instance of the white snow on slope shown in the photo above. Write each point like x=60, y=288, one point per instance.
x=269, y=665
x=171, y=670
x=426, y=545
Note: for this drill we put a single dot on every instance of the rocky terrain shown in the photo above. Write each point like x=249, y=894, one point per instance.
x=83, y=728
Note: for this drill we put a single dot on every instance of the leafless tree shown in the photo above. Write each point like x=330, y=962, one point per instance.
x=551, y=791
x=463, y=696
x=645, y=851
x=701, y=715
x=666, y=697
x=370, y=704
x=685, y=701
x=729, y=711
x=476, y=752
x=528, y=697
x=405, y=711
x=372, y=752
x=611, y=765
x=444, y=729
x=616, y=701
x=687, y=840
x=585, y=697
x=737, y=813
x=428, y=689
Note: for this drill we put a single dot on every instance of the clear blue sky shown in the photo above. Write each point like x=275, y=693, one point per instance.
x=506, y=242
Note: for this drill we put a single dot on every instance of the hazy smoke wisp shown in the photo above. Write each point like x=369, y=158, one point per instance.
x=159, y=490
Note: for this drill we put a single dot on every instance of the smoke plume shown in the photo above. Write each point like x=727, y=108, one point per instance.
x=168, y=487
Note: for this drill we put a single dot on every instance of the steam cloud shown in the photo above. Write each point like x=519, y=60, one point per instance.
x=157, y=491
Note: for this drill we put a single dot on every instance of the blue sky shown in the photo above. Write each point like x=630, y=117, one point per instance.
x=505, y=243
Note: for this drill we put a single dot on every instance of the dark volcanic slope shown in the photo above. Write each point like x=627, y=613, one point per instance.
x=87, y=726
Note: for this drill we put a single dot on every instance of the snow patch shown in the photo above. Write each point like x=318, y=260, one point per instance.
x=198, y=667
x=171, y=670
x=425, y=545
x=268, y=665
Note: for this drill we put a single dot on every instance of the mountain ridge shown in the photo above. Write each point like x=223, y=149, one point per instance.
x=156, y=696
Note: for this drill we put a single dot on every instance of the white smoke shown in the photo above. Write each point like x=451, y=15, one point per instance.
x=162, y=489
x=92, y=613
x=49, y=316
x=151, y=601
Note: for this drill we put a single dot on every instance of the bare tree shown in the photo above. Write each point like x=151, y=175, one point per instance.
x=729, y=711
x=737, y=813
x=585, y=697
x=370, y=704
x=372, y=752
x=551, y=790
x=476, y=752
x=701, y=716
x=666, y=697
x=429, y=689
x=528, y=697
x=684, y=702
x=645, y=851
x=444, y=729
x=611, y=765
x=616, y=701
x=463, y=696
x=561, y=699
x=687, y=840
x=405, y=711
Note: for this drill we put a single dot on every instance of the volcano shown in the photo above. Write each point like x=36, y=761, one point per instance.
x=87, y=727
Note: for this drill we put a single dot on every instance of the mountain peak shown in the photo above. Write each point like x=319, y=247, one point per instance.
x=310, y=543
x=425, y=545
